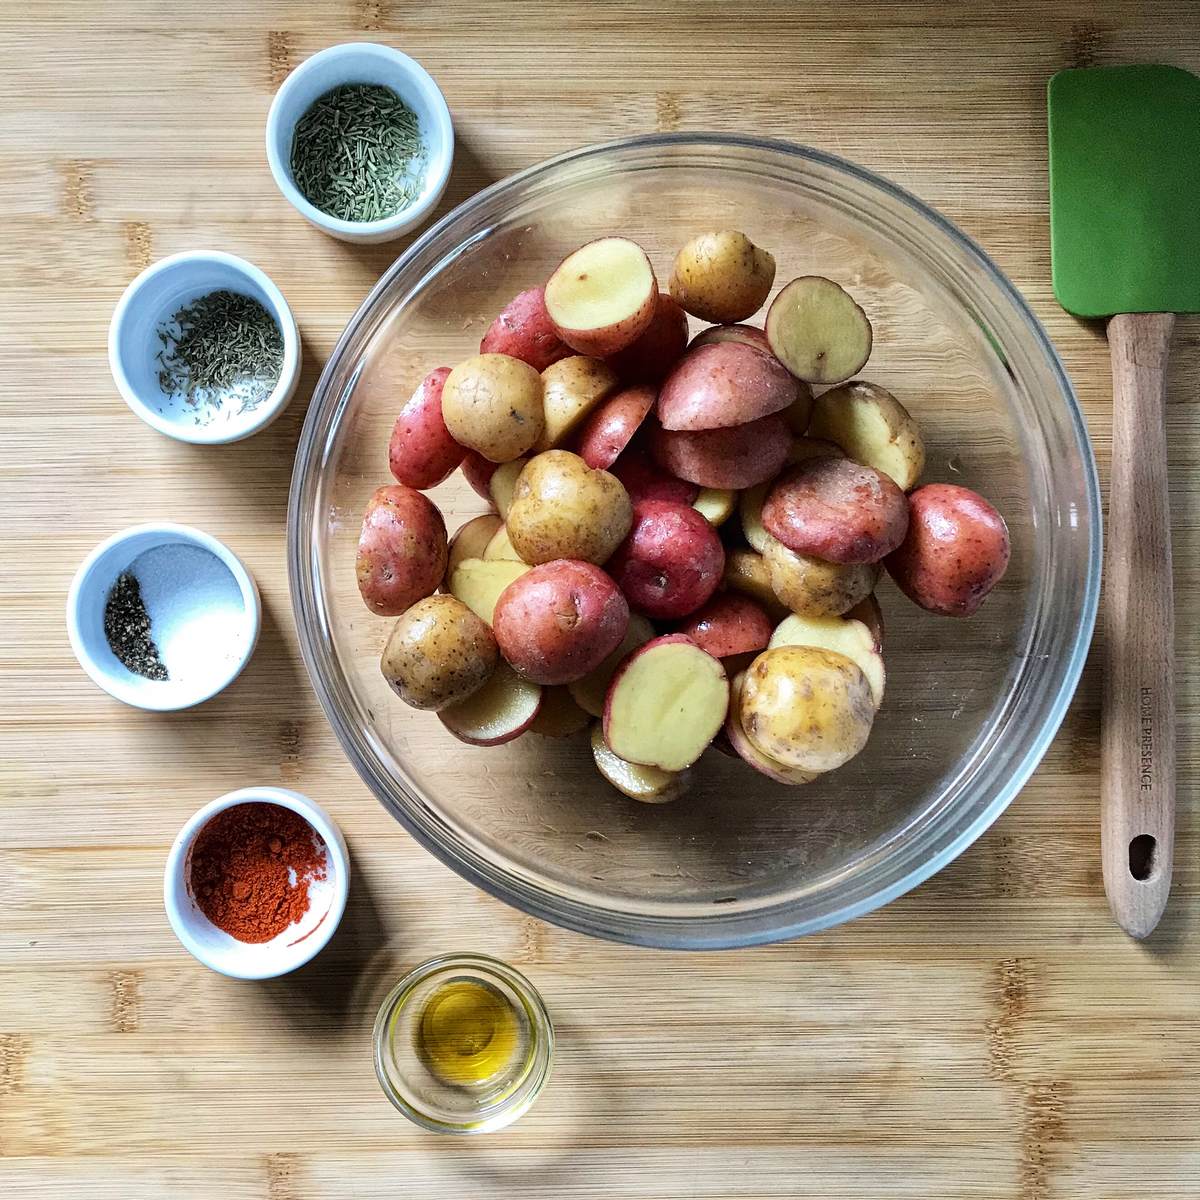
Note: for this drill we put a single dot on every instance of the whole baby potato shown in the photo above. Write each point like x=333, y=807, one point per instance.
x=439, y=652
x=655, y=352
x=492, y=403
x=956, y=550
x=421, y=453
x=671, y=562
x=561, y=508
x=728, y=383
x=560, y=621
x=836, y=509
x=722, y=276
x=401, y=550
x=737, y=457
x=524, y=330
x=806, y=707
x=813, y=587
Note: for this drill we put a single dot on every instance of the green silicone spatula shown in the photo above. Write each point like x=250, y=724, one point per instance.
x=1125, y=238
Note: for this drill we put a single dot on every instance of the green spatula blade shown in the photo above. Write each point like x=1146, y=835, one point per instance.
x=1125, y=190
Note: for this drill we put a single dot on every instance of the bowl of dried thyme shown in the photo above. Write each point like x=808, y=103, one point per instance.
x=360, y=142
x=163, y=616
x=204, y=348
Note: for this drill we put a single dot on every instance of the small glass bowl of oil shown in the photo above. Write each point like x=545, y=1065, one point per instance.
x=463, y=1044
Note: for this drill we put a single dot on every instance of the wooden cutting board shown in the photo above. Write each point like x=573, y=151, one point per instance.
x=991, y=1035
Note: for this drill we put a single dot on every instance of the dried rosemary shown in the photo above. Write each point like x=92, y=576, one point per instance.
x=357, y=153
x=221, y=350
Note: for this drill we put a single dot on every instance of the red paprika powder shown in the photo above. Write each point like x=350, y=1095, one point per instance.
x=250, y=868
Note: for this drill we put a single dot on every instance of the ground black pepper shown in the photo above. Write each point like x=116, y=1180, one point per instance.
x=127, y=628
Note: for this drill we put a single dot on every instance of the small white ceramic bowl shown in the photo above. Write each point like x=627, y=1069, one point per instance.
x=363, y=62
x=159, y=292
x=204, y=609
x=296, y=944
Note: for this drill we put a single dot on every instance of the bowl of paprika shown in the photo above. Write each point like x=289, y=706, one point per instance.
x=256, y=882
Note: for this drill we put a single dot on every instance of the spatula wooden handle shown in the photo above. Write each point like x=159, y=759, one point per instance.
x=1137, y=734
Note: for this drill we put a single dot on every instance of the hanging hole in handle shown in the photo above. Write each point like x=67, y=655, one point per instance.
x=1141, y=857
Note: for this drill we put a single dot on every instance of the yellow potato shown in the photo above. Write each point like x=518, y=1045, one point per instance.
x=814, y=587
x=716, y=505
x=501, y=546
x=559, y=716
x=747, y=572
x=492, y=404
x=843, y=635
x=873, y=428
x=439, y=652
x=563, y=509
x=806, y=707
x=750, y=504
x=572, y=389
x=722, y=277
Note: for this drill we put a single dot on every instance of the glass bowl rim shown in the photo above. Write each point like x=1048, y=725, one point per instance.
x=726, y=929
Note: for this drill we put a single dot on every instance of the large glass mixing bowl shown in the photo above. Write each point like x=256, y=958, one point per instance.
x=971, y=705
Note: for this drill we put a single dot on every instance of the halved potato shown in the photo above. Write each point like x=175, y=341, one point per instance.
x=716, y=505
x=812, y=586
x=817, y=330
x=749, y=752
x=665, y=704
x=589, y=692
x=840, y=634
x=559, y=716
x=501, y=547
x=750, y=504
x=471, y=540
x=602, y=297
x=746, y=571
x=650, y=785
x=572, y=389
x=498, y=712
x=478, y=583
x=873, y=428
x=503, y=481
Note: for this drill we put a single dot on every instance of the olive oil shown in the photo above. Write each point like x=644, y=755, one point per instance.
x=468, y=1034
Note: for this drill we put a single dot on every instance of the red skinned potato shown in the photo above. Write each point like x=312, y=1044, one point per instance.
x=658, y=349
x=729, y=624
x=738, y=457
x=612, y=426
x=602, y=296
x=747, y=335
x=524, y=330
x=665, y=704
x=645, y=481
x=503, y=709
x=836, y=510
x=401, y=550
x=421, y=453
x=955, y=552
x=724, y=384
x=559, y=621
x=478, y=472
x=671, y=562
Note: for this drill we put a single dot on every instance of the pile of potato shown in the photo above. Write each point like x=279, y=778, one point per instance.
x=685, y=541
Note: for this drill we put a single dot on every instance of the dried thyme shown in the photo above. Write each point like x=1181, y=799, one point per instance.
x=357, y=153
x=127, y=629
x=223, y=349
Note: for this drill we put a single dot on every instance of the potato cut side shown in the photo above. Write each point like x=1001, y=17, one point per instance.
x=750, y=504
x=559, y=716
x=665, y=704
x=650, y=785
x=603, y=296
x=501, y=710
x=839, y=634
x=503, y=483
x=750, y=753
x=471, y=540
x=478, y=582
x=501, y=547
x=817, y=331
x=590, y=691
x=873, y=428
x=716, y=505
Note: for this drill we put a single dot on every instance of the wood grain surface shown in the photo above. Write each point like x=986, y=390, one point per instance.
x=993, y=1034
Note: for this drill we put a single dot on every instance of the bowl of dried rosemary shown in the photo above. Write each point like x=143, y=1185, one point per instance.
x=204, y=348
x=360, y=142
